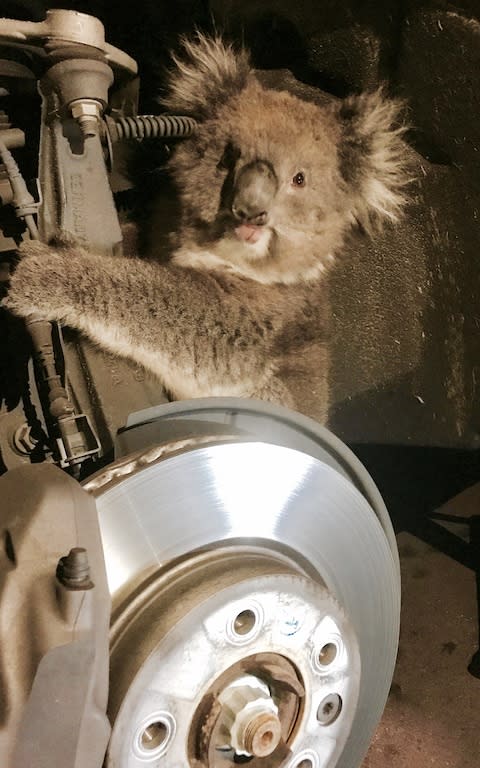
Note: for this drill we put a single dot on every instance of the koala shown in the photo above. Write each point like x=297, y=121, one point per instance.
x=270, y=186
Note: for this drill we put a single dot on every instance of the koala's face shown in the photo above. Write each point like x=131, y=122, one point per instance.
x=266, y=164
x=275, y=177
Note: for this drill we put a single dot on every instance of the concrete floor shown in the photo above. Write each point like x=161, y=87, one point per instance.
x=433, y=713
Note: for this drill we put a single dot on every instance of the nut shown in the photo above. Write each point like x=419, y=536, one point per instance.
x=87, y=114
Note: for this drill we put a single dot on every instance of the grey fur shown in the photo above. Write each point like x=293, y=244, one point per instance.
x=240, y=307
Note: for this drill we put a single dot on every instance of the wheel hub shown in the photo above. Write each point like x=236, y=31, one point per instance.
x=233, y=666
x=250, y=724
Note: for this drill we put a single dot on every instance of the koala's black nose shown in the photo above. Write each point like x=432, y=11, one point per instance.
x=254, y=190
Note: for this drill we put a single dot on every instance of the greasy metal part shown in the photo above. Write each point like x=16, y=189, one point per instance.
x=73, y=570
x=261, y=495
x=53, y=639
x=87, y=113
x=13, y=138
x=69, y=27
x=78, y=199
x=71, y=431
x=76, y=196
x=107, y=389
x=78, y=79
x=250, y=718
x=14, y=69
x=24, y=204
x=81, y=85
x=10, y=138
x=104, y=388
x=41, y=335
x=23, y=439
x=23, y=434
x=174, y=697
x=216, y=723
x=75, y=192
x=78, y=441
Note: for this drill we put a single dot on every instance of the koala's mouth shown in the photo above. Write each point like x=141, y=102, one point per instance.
x=249, y=233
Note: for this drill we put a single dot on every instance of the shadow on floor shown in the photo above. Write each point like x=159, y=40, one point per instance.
x=420, y=487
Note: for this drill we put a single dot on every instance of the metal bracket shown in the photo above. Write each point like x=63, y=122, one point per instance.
x=68, y=27
x=54, y=657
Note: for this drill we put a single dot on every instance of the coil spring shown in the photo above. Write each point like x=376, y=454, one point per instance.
x=154, y=127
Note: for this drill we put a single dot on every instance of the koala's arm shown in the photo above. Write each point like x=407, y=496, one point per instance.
x=174, y=321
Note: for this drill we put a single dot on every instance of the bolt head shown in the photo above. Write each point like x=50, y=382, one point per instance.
x=85, y=108
x=73, y=570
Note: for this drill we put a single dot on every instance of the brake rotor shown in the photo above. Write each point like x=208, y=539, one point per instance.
x=256, y=597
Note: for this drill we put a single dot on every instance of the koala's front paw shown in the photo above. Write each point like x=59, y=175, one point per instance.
x=31, y=290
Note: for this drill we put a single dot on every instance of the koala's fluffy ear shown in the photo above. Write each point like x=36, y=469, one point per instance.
x=374, y=160
x=207, y=75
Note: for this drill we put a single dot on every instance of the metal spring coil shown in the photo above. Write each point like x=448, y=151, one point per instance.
x=154, y=127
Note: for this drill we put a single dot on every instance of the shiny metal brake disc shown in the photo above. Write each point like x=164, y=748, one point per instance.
x=255, y=590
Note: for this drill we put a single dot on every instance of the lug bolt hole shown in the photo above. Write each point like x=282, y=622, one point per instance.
x=329, y=709
x=327, y=654
x=306, y=759
x=244, y=622
x=154, y=736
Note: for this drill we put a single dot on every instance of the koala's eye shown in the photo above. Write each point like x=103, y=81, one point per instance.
x=299, y=179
